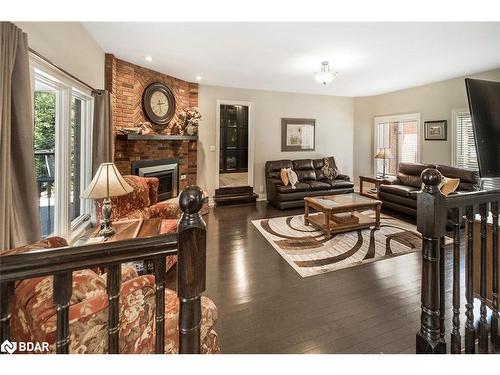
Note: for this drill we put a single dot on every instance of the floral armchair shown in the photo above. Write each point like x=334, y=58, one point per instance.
x=34, y=315
x=142, y=203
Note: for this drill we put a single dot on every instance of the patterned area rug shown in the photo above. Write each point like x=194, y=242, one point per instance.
x=307, y=250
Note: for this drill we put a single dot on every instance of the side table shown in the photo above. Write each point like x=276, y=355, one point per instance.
x=372, y=193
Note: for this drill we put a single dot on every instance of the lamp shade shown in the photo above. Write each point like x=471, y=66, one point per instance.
x=107, y=182
x=383, y=153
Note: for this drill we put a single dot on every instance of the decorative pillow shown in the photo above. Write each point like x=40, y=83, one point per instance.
x=329, y=171
x=292, y=177
x=449, y=185
x=284, y=176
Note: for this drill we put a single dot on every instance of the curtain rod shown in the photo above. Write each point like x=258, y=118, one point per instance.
x=61, y=69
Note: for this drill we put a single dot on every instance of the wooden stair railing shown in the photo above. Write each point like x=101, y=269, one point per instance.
x=189, y=244
x=433, y=212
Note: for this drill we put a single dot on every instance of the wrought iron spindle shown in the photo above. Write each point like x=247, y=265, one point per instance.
x=456, y=339
x=62, y=295
x=113, y=286
x=470, y=333
x=495, y=335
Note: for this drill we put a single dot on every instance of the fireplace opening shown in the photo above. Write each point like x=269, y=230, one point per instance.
x=166, y=171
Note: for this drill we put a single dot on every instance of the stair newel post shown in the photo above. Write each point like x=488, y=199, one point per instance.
x=431, y=223
x=191, y=268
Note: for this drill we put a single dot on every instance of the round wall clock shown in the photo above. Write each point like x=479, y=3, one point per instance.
x=158, y=102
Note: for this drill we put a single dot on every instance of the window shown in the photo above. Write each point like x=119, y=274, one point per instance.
x=464, y=146
x=62, y=134
x=400, y=135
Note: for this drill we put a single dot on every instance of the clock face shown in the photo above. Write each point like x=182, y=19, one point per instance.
x=159, y=103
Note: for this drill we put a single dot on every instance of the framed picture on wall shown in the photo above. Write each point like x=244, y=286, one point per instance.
x=435, y=130
x=298, y=134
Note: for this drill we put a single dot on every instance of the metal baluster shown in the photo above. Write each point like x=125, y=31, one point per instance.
x=49, y=195
x=495, y=335
x=456, y=339
x=159, y=270
x=113, y=286
x=62, y=295
x=470, y=333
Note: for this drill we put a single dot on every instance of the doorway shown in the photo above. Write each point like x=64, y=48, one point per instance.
x=234, y=145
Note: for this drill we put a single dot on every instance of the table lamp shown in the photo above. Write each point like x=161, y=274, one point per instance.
x=384, y=154
x=107, y=182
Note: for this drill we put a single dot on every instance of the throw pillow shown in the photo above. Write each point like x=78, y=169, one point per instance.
x=284, y=176
x=292, y=176
x=329, y=171
x=449, y=185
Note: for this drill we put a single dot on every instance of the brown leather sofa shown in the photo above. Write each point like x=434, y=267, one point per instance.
x=312, y=182
x=400, y=193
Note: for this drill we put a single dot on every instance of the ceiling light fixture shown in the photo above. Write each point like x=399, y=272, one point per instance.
x=148, y=58
x=198, y=78
x=325, y=76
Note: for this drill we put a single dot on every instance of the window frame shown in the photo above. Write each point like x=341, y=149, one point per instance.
x=455, y=113
x=66, y=88
x=396, y=118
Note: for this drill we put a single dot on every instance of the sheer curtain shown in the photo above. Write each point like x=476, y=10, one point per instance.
x=19, y=221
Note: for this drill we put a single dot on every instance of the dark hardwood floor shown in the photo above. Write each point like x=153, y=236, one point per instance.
x=266, y=307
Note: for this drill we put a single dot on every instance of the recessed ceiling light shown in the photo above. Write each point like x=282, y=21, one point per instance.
x=148, y=58
x=198, y=78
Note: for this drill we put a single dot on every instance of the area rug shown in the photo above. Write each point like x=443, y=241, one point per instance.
x=308, y=251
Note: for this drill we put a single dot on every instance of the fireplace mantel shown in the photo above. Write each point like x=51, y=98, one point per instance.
x=157, y=137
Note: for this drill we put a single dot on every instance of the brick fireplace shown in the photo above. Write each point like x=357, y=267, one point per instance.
x=127, y=82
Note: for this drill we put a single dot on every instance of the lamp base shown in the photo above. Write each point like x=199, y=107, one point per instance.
x=106, y=229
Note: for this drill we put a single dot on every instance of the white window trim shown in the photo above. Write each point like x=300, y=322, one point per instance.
x=393, y=118
x=454, y=114
x=67, y=87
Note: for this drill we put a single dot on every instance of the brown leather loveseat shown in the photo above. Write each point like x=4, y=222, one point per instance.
x=400, y=193
x=311, y=182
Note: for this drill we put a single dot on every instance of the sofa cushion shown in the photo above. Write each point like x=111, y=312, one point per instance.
x=318, y=185
x=401, y=190
x=340, y=184
x=466, y=176
x=299, y=186
x=404, y=201
x=299, y=196
x=273, y=168
x=409, y=179
x=304, y=169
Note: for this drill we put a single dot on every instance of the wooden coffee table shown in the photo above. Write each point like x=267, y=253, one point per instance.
x=339, y=213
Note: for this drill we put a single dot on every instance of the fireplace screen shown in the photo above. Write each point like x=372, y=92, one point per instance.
x=166, y=171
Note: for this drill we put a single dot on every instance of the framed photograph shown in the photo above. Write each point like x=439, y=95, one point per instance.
x=435, y=130
x=297, y=134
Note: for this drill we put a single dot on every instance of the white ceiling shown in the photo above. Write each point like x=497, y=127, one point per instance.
x=371, y=58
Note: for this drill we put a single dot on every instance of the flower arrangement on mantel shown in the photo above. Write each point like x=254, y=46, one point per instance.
x=189, y=119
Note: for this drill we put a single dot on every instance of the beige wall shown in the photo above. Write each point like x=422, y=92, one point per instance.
x=334, y=128
x=434, y=102
x=70, y=46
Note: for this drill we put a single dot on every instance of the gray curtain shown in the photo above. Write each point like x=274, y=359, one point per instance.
x=19, y=220
x=102, y=138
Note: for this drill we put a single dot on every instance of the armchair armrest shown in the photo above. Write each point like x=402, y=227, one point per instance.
x=392, y=180
x=343, y=177
x=165, y=210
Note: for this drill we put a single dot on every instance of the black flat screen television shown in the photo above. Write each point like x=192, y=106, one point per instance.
x=484, y=105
